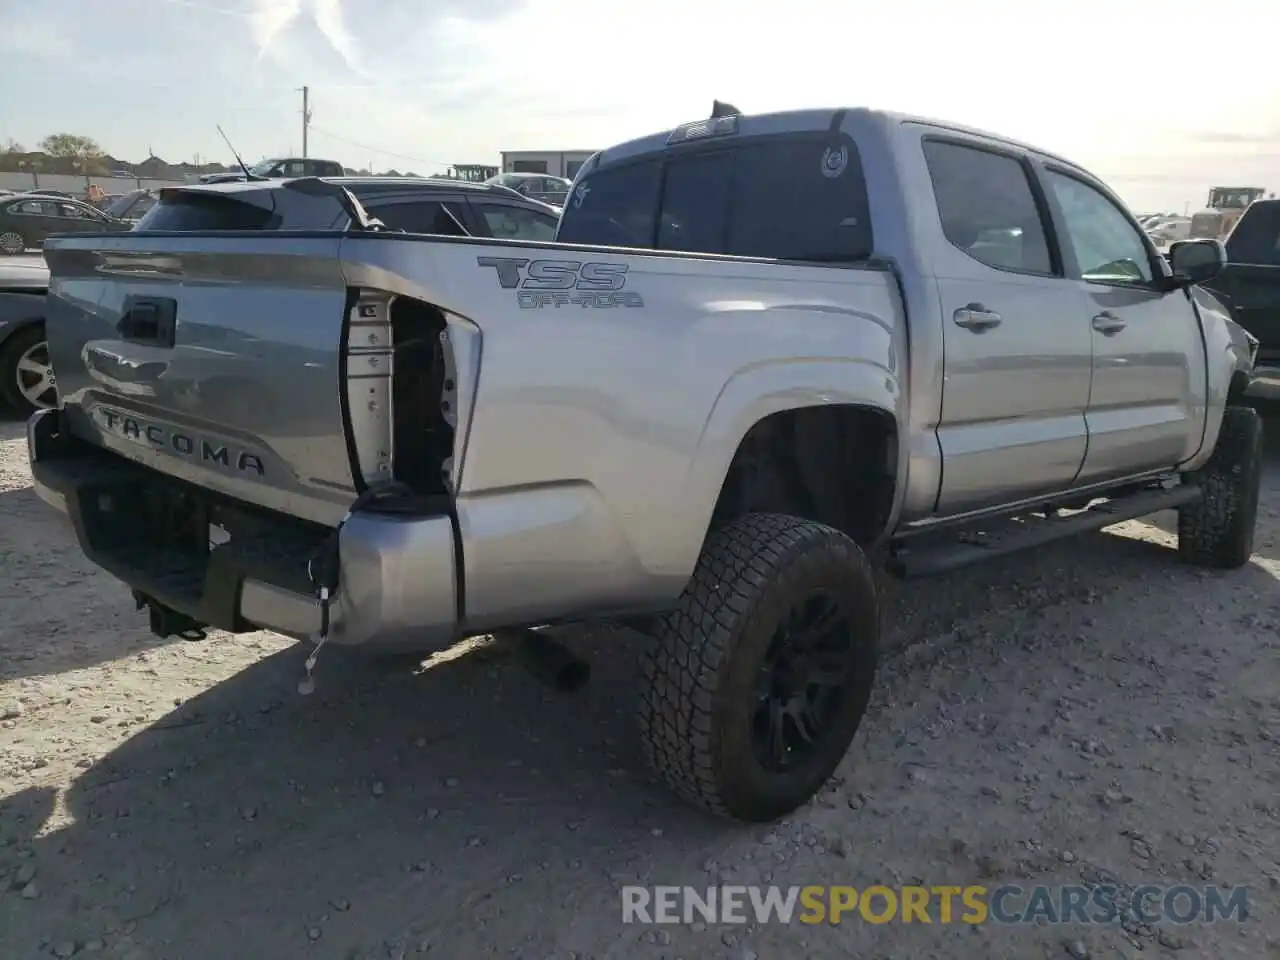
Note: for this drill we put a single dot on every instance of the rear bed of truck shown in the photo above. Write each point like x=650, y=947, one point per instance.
x=228, y=397
x=225, y=400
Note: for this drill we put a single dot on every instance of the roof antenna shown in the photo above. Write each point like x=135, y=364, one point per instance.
x=227, y=140
x=719, y=109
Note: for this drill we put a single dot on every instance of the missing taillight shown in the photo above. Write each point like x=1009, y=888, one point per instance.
x=423, y=397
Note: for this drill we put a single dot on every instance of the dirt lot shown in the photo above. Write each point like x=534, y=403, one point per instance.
x=1092, y=711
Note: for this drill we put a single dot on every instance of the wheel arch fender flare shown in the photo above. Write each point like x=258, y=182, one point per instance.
x=762, y=390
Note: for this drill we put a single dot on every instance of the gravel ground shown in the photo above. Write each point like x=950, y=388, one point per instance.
x=1093, y=710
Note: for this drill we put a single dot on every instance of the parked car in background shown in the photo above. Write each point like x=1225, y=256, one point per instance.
x=27, y=219
x=415, y=205
x=1169, y=230
x=26, y=378
x=435, y=206
x=1250, y=284
x=536, y=186
x=280, y=168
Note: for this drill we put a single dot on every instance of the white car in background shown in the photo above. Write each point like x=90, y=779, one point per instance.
x=1169, y=230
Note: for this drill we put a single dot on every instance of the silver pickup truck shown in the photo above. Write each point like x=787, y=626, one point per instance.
x=765, y=358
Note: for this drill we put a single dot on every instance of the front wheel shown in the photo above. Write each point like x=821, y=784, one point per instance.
x=759, y=678
x=1217, y=530
x=26, y=376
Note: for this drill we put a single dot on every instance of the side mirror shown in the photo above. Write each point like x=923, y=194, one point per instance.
x=1197, y=261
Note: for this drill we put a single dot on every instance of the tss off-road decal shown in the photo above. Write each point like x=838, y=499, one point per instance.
x=561, y=283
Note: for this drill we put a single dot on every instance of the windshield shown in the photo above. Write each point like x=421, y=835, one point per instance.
x=263, y=167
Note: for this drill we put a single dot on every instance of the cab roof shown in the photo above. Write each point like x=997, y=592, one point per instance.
x=798, y=121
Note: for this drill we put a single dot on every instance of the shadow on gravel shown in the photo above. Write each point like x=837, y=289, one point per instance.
x=254, y=822
x=382, y=799
x=459, y=793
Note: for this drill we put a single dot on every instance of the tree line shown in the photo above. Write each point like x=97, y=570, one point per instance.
x=73, y=153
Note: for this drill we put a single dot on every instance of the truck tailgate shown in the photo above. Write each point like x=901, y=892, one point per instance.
x=215, y=359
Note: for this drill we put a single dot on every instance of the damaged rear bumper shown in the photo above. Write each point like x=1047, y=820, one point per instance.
x=398, y=575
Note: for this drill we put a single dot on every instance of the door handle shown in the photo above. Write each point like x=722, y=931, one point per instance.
x=1108, y=324
x=976, y=317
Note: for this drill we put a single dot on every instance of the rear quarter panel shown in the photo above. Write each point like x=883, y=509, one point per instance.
x=616, y=425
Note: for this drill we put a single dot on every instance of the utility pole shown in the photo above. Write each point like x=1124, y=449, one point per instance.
x=306, y=118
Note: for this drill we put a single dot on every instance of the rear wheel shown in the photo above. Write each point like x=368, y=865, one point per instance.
x=1217, y=530
x=758, y=680
x=27, y=382
x=12, y=242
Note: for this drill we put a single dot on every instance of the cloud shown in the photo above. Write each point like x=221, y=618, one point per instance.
x=272, y=22
x=269, y=19
x=329, y=18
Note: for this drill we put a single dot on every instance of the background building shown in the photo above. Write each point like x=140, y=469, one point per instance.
x=557, y=163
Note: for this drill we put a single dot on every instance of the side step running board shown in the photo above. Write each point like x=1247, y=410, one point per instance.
x=909, y=562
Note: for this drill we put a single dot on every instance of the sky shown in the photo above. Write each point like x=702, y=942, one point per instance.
x=1161, y=98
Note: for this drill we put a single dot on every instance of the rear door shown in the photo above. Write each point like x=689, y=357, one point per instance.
x=1017, y=349
x=1146, y=400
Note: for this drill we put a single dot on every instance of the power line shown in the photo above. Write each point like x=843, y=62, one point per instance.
x=377, y=150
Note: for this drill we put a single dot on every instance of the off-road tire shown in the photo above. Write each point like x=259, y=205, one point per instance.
x=698, y=676
x=1217, y=531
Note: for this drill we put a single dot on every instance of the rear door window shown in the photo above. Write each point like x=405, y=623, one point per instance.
x=615, y=207
x=31, y=208
x=987, y=207
x=422, y=216
x=507, y=221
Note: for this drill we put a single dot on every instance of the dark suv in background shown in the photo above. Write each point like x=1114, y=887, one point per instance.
x=280, y=168
x=414, y=205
